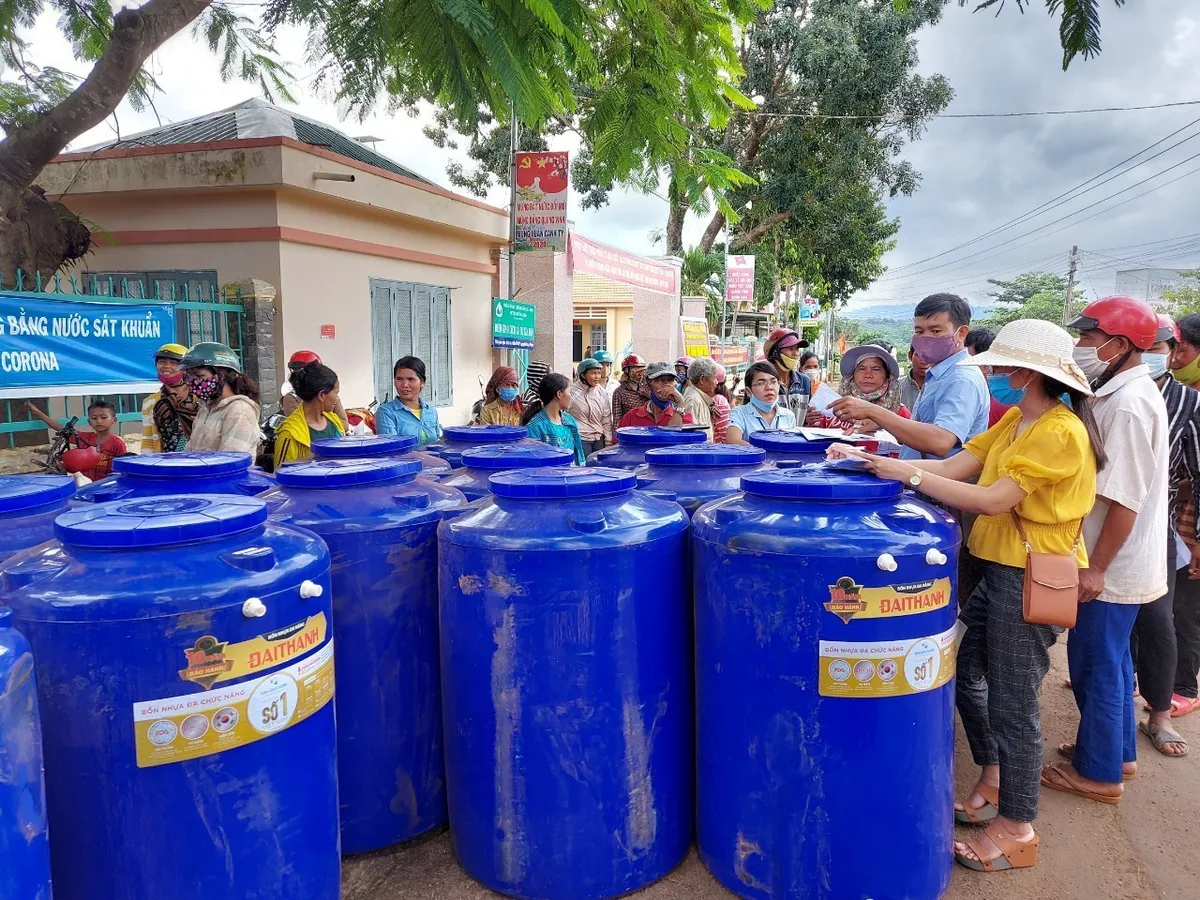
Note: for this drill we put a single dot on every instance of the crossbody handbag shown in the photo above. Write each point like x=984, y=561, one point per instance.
x=1050, y=593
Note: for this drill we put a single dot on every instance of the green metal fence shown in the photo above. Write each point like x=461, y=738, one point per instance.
x=201, y=314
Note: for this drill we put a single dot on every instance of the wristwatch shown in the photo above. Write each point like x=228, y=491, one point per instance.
x=915, y=478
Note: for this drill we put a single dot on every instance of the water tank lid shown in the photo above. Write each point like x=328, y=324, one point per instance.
x=705, y=454
x=21, y=492
x=318, y=474
x=790, y=442
x=159, y=521
x=358, y=446
x=562, y=483
x=484, y=434
x=659, y=436
x=498, y=457
x=190, y=464
x=821, y=481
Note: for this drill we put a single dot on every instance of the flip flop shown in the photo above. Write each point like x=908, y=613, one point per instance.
x=1013, y=854
x=1059, y=780
x=984, y=814
x=1182, y=706
x=1067, y=752
x=1160, y=736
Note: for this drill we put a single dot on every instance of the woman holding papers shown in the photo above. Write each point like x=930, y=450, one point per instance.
x=869, y=373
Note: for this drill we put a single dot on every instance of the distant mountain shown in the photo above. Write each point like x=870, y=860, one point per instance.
x=896, y=311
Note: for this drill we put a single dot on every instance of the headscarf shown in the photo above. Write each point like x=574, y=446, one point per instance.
x=173, y=418
x=536, y=371
x=887, y=396
x=501, y=375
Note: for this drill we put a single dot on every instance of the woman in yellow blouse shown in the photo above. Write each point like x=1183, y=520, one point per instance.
x=1038, y=463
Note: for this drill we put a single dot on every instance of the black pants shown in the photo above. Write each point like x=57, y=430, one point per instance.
x=1002, y=661
x=590, y=447
x=1187, y=633
x=1153, y=644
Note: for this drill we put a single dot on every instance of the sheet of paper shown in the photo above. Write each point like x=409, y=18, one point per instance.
x=821, y=399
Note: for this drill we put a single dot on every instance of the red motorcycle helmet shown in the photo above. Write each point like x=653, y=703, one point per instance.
x=80, y=459
x=632, y=361
x=1167, y=329
x=302, y=358
x=1119, y=316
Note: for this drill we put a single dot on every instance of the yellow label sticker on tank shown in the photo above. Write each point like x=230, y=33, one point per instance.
x=850, y=600
x=189, y=726
x=886, y=668
x=210, y=660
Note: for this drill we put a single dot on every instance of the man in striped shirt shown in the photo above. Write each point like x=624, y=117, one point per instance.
x=1155, y=646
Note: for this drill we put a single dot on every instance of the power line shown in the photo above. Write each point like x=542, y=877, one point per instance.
x=1037, y=210
x=981, y=115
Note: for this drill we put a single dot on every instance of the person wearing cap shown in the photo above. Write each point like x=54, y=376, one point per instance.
x=782, y=350
x=502, y=404
x=290, y=401
x=870, y=373
x=700, y=394
x=168, y=414
x=663, y=406
x=953, y=406
x=1156, y=645
x=228, y=398
x=721, y=407
x=1126, y=538
x=681, y=371
x=1035, y=472
x=591, y=407
x=633, y=390
x=764, y=411
x=606, y=365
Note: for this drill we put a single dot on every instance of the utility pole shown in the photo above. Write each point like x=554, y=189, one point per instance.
x=725, y=293
x=514, y=129
x=1074, y=264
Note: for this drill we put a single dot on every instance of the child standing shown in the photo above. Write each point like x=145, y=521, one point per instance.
x=102, y=416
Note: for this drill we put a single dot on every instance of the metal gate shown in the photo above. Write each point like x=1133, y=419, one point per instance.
x=201, y=314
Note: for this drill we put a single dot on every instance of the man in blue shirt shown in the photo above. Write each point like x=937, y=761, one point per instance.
x=953, y=406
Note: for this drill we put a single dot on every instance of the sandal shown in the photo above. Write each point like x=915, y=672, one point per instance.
x=1010, y=853
x=1067, y=752
x=980, y=815
x=1160, y=736
x=1058, y=779
x=1182, y=706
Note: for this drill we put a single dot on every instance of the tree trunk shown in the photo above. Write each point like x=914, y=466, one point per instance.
x=26, y=149
x=675, y=217
x=758, y=231
x=710, y=233
x=775, y=305
x=38, y=237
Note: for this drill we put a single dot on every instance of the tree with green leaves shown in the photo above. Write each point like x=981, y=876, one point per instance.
x=1031, y=295
x=1182, y=300
x=1078, y=25
x=609, y=68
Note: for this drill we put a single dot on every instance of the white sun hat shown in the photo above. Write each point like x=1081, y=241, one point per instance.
x=1037, y=345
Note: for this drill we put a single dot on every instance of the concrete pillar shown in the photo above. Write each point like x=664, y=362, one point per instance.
x=258, y=335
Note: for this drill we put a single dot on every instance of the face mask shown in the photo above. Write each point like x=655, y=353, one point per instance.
x=1088, y=359
x=789, y=362
x=814, y=375
x=934, y=349
x=508, y=395
x=661, y=404
x=1000, y=388
x=171, y=379
x=761, y=405
x=204, y=388
x=1188, y=374
x=1156, y=363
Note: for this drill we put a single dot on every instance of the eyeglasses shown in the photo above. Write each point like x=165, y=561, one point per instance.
x=774, y=382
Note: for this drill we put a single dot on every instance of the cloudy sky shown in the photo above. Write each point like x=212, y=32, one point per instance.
x=979, y=174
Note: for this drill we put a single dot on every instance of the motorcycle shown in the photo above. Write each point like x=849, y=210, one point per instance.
x=67, y=456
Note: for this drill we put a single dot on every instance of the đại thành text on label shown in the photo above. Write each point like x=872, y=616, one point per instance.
x=66, y=343
x=850, y=600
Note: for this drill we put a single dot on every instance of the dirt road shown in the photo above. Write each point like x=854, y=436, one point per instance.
x=1143, y=849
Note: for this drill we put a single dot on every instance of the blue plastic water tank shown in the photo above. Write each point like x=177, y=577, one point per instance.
x=481, y=463
x=374, y=446
x=566, y=679
x=457, y=438
x=632, y=443
x=697, y=473
x=380, y=523
x=24, y=848
x=791, y=445
x=185, y=672
x=191, y=472
x=28, y=506
x=825, y=688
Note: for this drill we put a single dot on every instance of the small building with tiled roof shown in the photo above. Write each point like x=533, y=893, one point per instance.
x=363, y=251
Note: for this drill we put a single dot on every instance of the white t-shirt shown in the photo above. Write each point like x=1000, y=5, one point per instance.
x=1132, y=420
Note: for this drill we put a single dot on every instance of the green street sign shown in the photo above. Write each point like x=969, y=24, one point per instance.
x=512, y=324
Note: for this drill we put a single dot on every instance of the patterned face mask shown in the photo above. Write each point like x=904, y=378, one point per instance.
x=204, y=388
